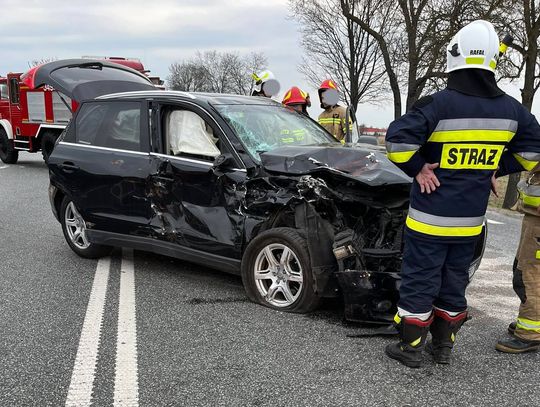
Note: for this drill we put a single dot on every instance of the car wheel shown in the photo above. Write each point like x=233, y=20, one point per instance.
x=276, y=271
x=8, y=154
x=47, y=144
x=74, y=228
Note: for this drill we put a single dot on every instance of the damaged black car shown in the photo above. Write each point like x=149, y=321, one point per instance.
x=237, y=183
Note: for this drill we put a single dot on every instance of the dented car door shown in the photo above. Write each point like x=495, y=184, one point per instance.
x=195, y=202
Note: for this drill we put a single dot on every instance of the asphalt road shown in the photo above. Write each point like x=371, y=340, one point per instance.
x=197, y=341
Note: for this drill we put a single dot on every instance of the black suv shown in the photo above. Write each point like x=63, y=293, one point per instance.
x=236, y=183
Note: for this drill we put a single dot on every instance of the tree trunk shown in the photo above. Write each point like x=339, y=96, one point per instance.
x=527, y=97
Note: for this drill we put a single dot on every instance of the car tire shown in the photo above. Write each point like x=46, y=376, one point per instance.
x=74, y=229
x=48, y=140
x=8, y=154
x=285, y=285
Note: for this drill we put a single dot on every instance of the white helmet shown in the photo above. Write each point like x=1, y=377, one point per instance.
x=474, y=46
x=267, y=83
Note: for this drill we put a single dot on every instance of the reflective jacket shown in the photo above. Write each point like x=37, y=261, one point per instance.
x=470, y=137
x=529, y=192
x=334, y=121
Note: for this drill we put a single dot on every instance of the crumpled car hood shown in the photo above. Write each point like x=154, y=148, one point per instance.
x=361, y=162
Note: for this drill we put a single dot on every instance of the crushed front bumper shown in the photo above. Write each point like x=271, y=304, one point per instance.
x=369, y=296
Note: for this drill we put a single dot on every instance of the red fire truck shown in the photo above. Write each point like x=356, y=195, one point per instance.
x=32, y=119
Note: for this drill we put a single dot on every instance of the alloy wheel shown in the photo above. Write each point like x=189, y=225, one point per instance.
x=76, y=227
x=278, y=275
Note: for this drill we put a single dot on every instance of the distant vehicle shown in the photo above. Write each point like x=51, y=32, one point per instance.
x=32, y=119
x=237, y=183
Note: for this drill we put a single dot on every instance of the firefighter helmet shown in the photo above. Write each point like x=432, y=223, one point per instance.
x=328, y=93
x=266, y=82
x=474, y=46
x=295, y=96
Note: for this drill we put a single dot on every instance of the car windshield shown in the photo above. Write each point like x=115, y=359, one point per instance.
x=263, y=128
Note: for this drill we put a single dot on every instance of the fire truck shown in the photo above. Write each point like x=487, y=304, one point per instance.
x=32, y=119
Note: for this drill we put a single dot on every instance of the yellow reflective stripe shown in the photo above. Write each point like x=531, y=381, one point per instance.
x=453, y=337
x=493, y=64
x=443, y=230
x=474, y=60
x=333, y=121
x=538, y=254
x=502, y=48
x=397, y=319
x=471, y=156
x=528, y=324
x=528, y=165
x=471, y=135
x=530, y=200
x=416, y=342
x=400, y=156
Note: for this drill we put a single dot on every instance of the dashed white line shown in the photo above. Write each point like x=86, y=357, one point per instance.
x=126, y=385
x=84, y=369
x=3, y=167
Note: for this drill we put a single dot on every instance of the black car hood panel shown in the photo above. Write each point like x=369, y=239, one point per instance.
x=367, y=164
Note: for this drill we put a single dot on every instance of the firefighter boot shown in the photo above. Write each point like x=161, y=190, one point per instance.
x=412, y=335
x=443, y=334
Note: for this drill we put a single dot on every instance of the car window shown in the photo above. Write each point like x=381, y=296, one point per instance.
x=89, y=120
x=3, y=91
x=112, y=124
x=263, y=128
x=188, y=135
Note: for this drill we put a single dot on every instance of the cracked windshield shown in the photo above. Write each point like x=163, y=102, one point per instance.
x=264, y=128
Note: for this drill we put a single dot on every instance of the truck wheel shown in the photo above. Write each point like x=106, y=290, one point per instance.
x=48, y=141
x=74, y=228
x=276, y=271
x=8, y=154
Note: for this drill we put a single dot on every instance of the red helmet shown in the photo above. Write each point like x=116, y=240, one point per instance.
x=295, y=96
x=328, y=84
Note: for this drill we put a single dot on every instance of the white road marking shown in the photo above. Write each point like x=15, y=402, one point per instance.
x=3, y=167
x=126, y=385
x=84, y=369
x=494, y=222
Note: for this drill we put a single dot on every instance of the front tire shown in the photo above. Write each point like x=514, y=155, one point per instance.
x=8, y=154
x=276, y=271
x=74, y=229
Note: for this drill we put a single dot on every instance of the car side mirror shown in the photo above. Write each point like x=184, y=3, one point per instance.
x=223, y=161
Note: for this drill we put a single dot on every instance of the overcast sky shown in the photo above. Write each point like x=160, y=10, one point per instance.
x=160, y=32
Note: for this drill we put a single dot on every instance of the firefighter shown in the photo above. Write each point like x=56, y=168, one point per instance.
x=266, y=84
x=296, y=99
x=333, y=119
x=451, y=143
x=526, y=330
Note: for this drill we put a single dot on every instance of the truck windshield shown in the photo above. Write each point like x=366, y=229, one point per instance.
x=263, y=128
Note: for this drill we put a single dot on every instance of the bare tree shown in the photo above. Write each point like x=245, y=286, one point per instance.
x=337, y=48
x=37, y=62
x=419, y=33
x=523, y=64
x=215, y=72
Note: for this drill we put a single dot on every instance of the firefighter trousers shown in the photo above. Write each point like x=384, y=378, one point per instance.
x=434, y=273
x=526, y=279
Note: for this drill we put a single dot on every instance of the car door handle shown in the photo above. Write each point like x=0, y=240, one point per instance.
x=68, y=166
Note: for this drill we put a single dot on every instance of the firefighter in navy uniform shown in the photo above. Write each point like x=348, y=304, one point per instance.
x=451, y=143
